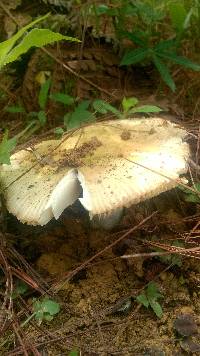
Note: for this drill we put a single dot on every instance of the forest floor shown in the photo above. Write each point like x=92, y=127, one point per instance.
x=79, y=266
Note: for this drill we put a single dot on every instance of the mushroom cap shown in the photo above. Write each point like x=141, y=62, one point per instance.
x=116, y=163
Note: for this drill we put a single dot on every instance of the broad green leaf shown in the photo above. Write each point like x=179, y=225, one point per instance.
x=183, y=61
x=134, y=56
x=103, y=107
x=35, y=38
x=78, y=116
x=141, y=298
x=63, y=98
x=128, y=103
x=42, y=117
x=43, y=94
x=6, y=146
x=51, y=307
x=15, y=109
x=146, y=109
x=45, y=309
x=177, y=14
x=164, y=72
x=83, y=105
x=6, y=46
x=156, y=308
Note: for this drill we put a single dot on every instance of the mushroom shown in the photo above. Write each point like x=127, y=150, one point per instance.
x=107, y=165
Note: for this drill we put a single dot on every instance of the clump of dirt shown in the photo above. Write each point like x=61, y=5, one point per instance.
x=73, y=157
x=125, y=135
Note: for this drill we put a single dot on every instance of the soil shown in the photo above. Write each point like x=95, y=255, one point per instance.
x=99, y=313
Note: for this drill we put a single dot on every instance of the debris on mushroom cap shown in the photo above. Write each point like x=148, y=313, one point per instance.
x=116, y=163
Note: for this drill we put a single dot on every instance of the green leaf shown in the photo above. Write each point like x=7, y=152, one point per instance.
x=102, y=9
x=20, y=289
x=63, y=98
x=73, y=353
x=156, y=308
x=6, y=46
x=177, y=14
x=103, y=107
x=153, y=291
x=128, y=103
x=134, y=56
x=51, y=307
x=6, y=146
x=183, y=61
x=190, y=196
x=42, y=117
x=43, y=94
x=15, y=109
x=141, y=298
x=146, y=109
x=165, y=45
x=164, y=72
x=83, y=105
x=59, y=132
x=35, y=38
x=45, y=309
x=78, y=116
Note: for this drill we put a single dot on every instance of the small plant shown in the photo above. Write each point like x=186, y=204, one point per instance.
x=160, y=55
x=150, y=299
x=39, y=118
x=80, y=115
x=10, y=51
x=190, y=196
x=86, y=110
x=22, y=41
x=45, y=310
x=6, y=147
x=20, y=289
x=154, y=41
x=129, y=107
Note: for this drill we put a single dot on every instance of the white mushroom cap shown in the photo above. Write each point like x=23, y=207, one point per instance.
x=118, y=163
